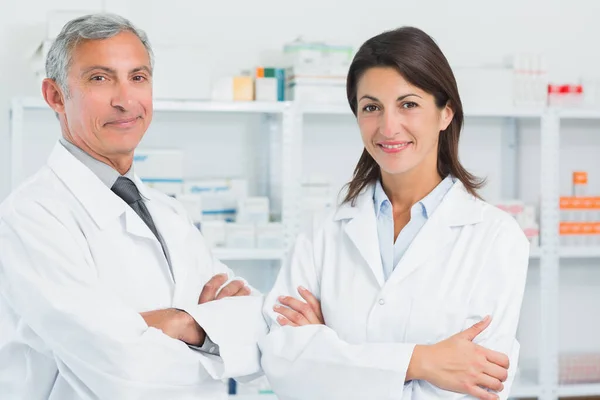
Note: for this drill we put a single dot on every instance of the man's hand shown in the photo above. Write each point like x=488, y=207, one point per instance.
x=458, y=365
x=299, y=313
x=233, y=288
x=177, y=324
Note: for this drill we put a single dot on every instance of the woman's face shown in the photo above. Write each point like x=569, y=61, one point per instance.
x=399, y=123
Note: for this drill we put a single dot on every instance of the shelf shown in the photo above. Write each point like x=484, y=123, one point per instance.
x=580, y=252
x=232, y=107
x=280, y=107
x=184, y=106
x=343, y=109
x=570, y=252
x=579, y=390
x=225, y=254
x=327, y=109
x=579, y=113
x=504, y=113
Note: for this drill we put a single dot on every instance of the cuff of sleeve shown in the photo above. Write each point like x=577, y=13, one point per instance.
x=234, y=324
x=208, y=347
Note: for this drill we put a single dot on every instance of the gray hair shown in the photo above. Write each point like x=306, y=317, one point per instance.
x=88, y=27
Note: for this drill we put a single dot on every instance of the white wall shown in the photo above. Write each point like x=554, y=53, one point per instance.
x=233, y=36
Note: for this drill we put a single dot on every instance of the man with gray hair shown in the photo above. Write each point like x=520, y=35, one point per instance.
x=107, y=290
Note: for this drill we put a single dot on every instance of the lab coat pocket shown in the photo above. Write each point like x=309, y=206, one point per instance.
x=433, y=319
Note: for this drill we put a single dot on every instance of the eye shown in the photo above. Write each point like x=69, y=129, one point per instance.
x=98, y=78
x=370, y=108
x=410, y=104
x=139, y=78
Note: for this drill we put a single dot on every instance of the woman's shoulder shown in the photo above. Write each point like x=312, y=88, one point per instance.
x=498, y=219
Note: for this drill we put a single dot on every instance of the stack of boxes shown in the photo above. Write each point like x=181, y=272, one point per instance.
x=266, y=84
x=269, y=84
x=220, y=208
x=580, y=215
x=317, y=72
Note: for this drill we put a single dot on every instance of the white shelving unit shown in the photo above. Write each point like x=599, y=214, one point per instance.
x=270, y=110
x=579, y=390
x=288, y=129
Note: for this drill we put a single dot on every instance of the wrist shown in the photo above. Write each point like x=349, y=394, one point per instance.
x=190, y=332
x=184, y=322
x=419, y=363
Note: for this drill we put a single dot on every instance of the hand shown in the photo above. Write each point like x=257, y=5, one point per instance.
x=299, y=313
x=458, y=365
x=177, y=324
x=233, y=288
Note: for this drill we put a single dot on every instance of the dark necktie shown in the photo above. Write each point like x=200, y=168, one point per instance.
x=126, y=189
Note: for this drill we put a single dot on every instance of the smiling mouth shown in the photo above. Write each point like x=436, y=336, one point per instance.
x=123, y=122
x=394, y=146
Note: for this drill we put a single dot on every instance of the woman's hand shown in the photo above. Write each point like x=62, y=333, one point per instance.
x=294, y=312
x=459, y=365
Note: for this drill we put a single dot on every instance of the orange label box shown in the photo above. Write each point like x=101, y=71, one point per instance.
x=580, y=178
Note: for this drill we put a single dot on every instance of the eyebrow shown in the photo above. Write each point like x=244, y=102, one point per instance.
x=398, y=99
x=114, y=72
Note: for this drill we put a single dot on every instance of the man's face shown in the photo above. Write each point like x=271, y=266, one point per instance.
x=109, y=107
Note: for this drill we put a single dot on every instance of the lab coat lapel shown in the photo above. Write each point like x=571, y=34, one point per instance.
x=100, y=202
x=362, y=231
x=458, y=208
x=102, y=205
x=434, y=237
x=173, y=231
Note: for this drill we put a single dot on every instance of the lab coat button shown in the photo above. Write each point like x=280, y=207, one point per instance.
x=381, y=301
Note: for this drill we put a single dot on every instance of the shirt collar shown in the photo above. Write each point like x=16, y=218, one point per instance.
x=107, y=174
x=380, y=199
x=435, y=197
x=427, y=204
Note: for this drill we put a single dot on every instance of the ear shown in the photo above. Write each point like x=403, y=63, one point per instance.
x=53, y=95
x=446, y=117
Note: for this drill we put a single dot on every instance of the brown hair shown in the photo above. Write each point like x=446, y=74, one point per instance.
x=416, y=56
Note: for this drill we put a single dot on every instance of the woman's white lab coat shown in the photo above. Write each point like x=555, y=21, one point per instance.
x=77, y=266
x=468, y=261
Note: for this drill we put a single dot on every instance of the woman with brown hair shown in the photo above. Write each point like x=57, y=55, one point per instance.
x=412, y=288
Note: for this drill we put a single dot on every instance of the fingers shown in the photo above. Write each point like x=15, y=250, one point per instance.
x=293, y=316
x=491, y=383
x=283, y=321
x=245, y=291
x=233, y=288
x=209, y=291
x=496, y=371
x=312, y=302
x=482, y=394
x=497, y=358
x=472, y=332
x=301, y=307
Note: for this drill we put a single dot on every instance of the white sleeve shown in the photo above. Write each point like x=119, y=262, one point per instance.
x=102, y=347
x=234, y=324
x=499, y=293
x=312, y=362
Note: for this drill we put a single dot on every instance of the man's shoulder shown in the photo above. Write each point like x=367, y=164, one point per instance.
x=41, y=190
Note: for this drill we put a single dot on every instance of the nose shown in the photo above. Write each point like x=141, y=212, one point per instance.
x=122, y=98
x=390, y=123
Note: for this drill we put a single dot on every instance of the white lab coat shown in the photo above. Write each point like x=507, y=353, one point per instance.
x=77, y=266
x=469, y=260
